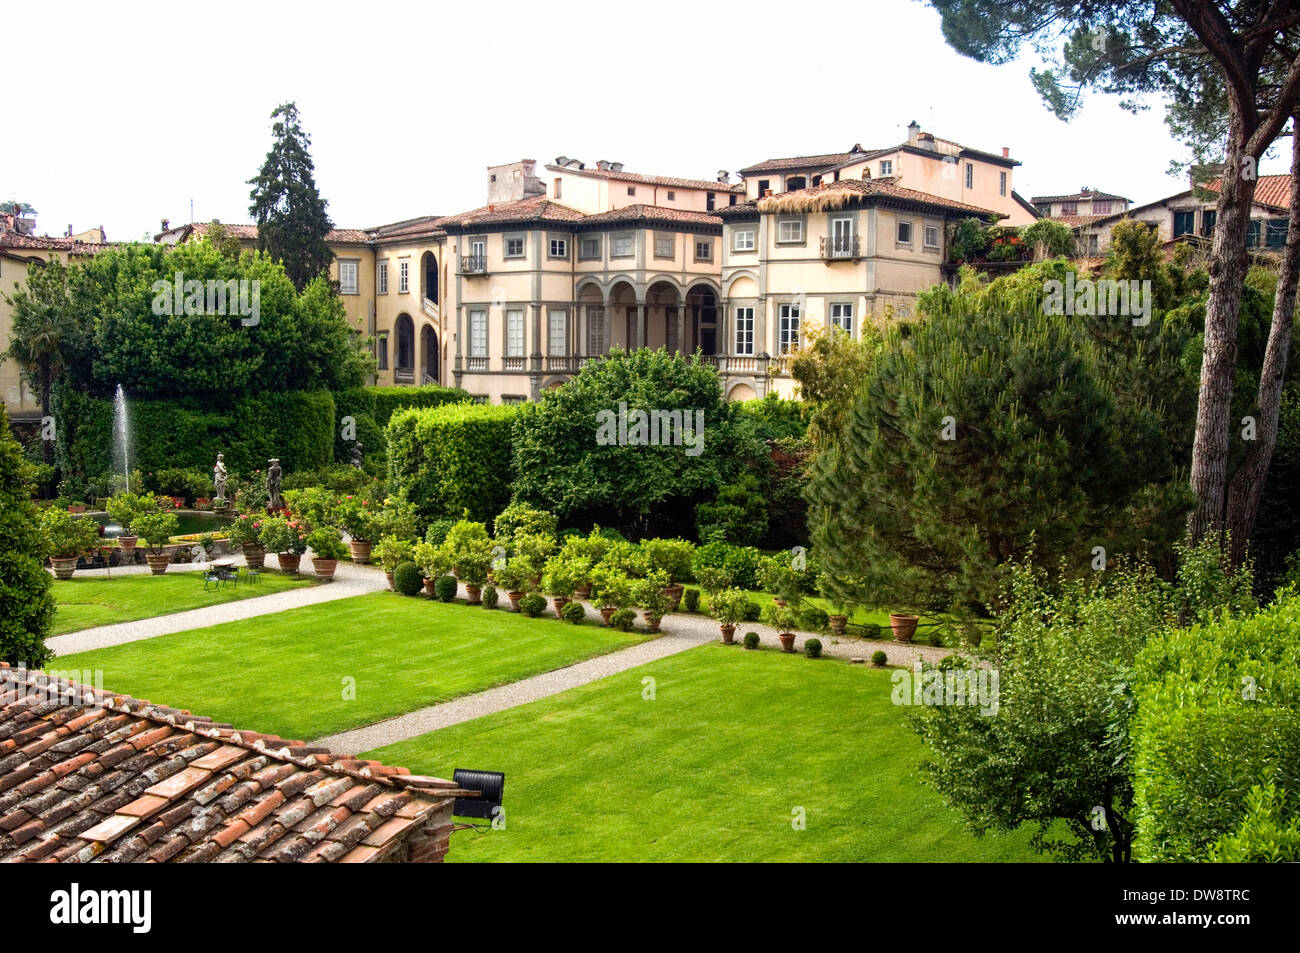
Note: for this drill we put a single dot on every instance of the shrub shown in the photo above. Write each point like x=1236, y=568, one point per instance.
x=326, y=543
x=67, y=535
x=649, y=593
x=751, y=640
x=561, y=576
x=752, y=611
x=155, y=529
x=878, y=658
x=522, y=518
x=516, y=574
x=729, y=606
x=490, y=596
x=574, y=612
x=671, y=556
x=624, y=620
x=532, y=605
x=813, y=648
x=872, y=630
x=470, y=550
x=936, y=640
x=611, y=587
x=713, y=580
x=813, y=619
x=390, y=551
x=1265, y=836
x=244, y=529
x=438, y=530
x=26, y=605
x=445, y=588
x=452, y=459
x=123, y=508
x=739, y=515
x=741, y=561
x=407, y=578
x=691, y=600
x=280, y=535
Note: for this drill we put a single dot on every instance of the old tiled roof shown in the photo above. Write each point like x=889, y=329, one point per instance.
x=668, y=181
x=868, y=188
x=803, y=162
x=422, y=226
x=1272, y=190
x=1074, y=221
x=14, y=240
x=536, y=209
x=89, y=775
x=1082, y=195
x=248, y=233
x=653, y=213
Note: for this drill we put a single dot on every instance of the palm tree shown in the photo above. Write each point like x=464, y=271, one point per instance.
x=42, y=325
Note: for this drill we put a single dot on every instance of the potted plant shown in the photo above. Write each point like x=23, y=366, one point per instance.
x=245, y=532
x=515, y=575
x=728, y=607
x=327, y=549
x=286, y=538
x=673, y=558
x=783, y=618
x=470, y=550
x=612, y=590
x=360, y=518
x=434, y=563
x=156, y=529
x=777, y=576
x=391, y=552
x=122, y=509
x=560, y=580
x=652, y=596
x=903, y=625
x=67, y=537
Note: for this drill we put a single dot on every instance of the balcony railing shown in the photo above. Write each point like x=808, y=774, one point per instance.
x=512, y=363
x=840, y=248
x=404, y=375
x=477, y=363
x=570, y=363
x=473, y=264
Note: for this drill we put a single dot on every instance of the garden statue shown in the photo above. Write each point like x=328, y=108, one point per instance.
x=219, y=478
x=273, y=501
x=356, y=455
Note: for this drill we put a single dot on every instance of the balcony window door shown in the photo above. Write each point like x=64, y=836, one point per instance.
x=788, y=328
x=841, y=236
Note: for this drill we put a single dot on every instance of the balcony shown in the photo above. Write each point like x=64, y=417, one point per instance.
x=840, y=248
x=473, y=264
x=512, y=364
x=566, y=363
x=404, y=375
x=476, y=363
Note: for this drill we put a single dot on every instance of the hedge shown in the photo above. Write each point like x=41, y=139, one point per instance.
x=372, y=407
x=452, y=458
x=296, y=426
x=1218, y=713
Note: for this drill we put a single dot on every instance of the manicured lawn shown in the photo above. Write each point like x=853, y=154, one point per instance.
x=85, y=601
x=289, y=673
x=712, y=769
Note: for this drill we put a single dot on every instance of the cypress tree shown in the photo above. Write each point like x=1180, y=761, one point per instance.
x=26, y=604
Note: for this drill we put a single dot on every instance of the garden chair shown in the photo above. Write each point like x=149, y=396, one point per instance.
x=211, y=579
x=251, y=575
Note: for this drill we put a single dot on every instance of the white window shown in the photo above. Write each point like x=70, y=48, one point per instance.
x=665, y=246
x=596, y=330
x=478, y=334
x=789, y=230
x=558, y=341
x=515, y=246
x=381, y=276
x=931, y=234
x=744, y=330
x=788, y=328
x=744, y=240
x=886, y=167
x=515, y=333
x=1002, y=183
x=621, y=246
x=559, y=248
x=904, y=233
x=347, y=277
x=842, y=317
x=970, y=175
x=843, y=242
x=403, y=277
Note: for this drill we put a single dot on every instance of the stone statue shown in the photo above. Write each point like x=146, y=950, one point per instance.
x=219, y=478
x=273, y=500
x=356, y=455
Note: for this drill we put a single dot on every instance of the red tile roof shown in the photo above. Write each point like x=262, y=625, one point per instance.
x=653, y=213
x=1272, y=190
x=88, y=775
x=14, y=240
x=537, y=209
x=804, y=162
x=1074, y=221
x=248, y=233
x=660, y=180
x=1082, y=195
x=877, y=188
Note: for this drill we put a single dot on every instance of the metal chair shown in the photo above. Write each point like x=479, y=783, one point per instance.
x=211, y=578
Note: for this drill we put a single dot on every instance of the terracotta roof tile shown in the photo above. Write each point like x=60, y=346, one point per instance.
x=134, y=781
x=1272, y=190
x=538, y=209
x=653, y=213
x=872, y=188
x=662, y=181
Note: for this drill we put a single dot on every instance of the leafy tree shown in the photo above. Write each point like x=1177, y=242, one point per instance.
x=22, y=207
x=830, y=367
x=1050, y=239
x=26, y=604
x=287, y=207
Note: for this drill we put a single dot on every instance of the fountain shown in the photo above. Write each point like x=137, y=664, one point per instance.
x=121, y=438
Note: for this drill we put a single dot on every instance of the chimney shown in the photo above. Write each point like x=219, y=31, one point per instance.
x=1006, y=152
x=724, y=176
x=602, y=165
x=562, y=161
x=913, y=131
x=616, y=167
x=69, y=233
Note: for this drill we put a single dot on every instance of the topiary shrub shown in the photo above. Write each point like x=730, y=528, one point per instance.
x=407, y=578
x=623, y=620
x=813, y=619
x=490, y=597
x=878, y=657
x=691, y=600
x=532, y=605
x=445, y=588
x=753, y=611
x=438, y=531
x=573, y=612
x=813, y=648
x=751, y=640
x=871, y=630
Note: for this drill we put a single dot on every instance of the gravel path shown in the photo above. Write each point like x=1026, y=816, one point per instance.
x=679, y=633
x=349, y=580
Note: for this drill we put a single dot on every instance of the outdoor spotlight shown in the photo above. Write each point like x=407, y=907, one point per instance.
x=491, y=786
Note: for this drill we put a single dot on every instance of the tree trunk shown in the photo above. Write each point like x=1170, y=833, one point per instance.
x=1247, y=486
x=1228, y=262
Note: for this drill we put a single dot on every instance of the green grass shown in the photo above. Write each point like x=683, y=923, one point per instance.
x=288, y=673
x=712, y=769
x=86, y=601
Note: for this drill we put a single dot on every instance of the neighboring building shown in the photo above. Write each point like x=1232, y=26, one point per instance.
x=88, y=776
x=1082, y=211
x=924, y=163
x=830, y=256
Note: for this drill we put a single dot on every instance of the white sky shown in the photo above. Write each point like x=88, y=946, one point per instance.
x=125, y=112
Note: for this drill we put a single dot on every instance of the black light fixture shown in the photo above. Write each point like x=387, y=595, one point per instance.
x=491, y=786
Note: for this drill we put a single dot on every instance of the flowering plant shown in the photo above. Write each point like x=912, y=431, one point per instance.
x=283, y=535
x=245, y=529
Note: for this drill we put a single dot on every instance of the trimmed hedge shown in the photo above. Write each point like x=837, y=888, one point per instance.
x=296, y=426
x=372, y=408
x=452, y=459
x=1218, y=713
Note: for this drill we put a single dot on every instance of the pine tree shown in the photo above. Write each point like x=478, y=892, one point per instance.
x=26, y=605
x=287, y=207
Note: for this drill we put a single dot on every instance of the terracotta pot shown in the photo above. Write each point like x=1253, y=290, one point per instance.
x=178, y=502
x=288, y=562
x=77, y=508
x=389, y=576
x=728, y=634
x=474, y=595
x=202, y=503
x=837, y=623
x=787, y=641
x=514, y=598
x=674, y=594
x=583, y=592
x=324, y=568
x=779, y=602
x=158, y=562
x=903, y=626
x=360, y=550
x=651, y=622
x=559, y=602
x=127, y=543
x=254, y=555
x=64, y=566
x=428, y=588
x=606, y=612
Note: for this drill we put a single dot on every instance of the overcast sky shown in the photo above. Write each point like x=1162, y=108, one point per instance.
x=120, y=114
